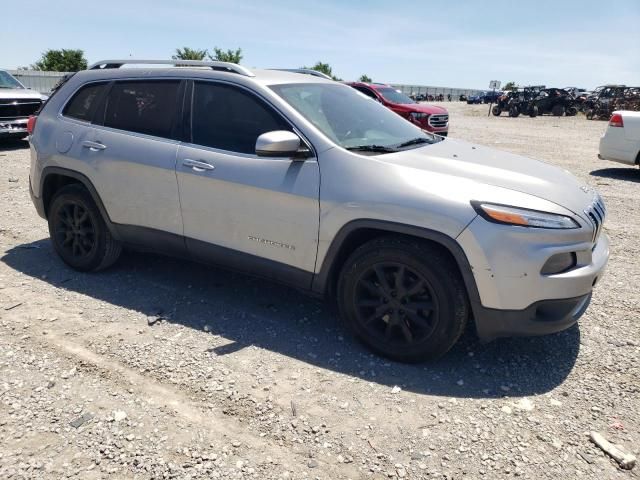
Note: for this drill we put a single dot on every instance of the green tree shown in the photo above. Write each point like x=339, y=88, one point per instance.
x=65, y=60
x=231, y=56
x=324, y=68
x=365, y=78
x=187, y=53
x=509, y=86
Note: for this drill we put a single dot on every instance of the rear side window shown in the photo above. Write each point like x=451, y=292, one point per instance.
x=144, y=107
x=84, y=102
x=231, y=119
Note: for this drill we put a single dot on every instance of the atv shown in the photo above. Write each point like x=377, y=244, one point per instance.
x=555, y=101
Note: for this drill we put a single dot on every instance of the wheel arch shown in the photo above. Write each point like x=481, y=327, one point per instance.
x=54, y=178
x=357, y=232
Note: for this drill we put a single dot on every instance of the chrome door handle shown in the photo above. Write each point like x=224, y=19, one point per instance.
x=197, y=165
x=93, y=146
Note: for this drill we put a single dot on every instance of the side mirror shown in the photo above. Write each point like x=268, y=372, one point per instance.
x=280, y=143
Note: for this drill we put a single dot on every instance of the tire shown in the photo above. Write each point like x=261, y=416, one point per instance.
x=496, y=111
x=557, y=110
x=78, y=232
x=533, y=112
x=571, y=112
x=514, y=112
x=389, y=319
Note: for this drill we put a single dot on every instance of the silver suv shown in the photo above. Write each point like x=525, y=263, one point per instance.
x=306, y=181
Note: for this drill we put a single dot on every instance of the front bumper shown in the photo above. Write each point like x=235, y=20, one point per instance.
x=514, y=297
x=540, y=318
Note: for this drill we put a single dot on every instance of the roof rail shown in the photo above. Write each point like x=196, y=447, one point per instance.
x=215, y=65
x=307, y=71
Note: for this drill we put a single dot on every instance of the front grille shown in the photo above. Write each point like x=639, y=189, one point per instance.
x=18, y=108
x=596, y=213
x=438, y=121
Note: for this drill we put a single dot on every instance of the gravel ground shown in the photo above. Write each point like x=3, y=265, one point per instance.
x=160, y=368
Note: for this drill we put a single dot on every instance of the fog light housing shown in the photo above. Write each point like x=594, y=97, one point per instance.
x=558, y=263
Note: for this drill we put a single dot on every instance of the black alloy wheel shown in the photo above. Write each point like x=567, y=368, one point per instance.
x=396, y=304
x=74, y=230
x=402, y=297
x=78, y=231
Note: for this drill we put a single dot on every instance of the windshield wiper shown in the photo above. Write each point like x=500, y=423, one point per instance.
x=414, y=141
x=372, y=148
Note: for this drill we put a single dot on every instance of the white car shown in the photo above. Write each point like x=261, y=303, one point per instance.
x=621, y=141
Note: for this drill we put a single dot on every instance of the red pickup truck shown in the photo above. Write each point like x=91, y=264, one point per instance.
x=428, y=117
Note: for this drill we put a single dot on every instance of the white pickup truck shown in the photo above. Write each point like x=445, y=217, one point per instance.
x=621, y=140
x=16, y=104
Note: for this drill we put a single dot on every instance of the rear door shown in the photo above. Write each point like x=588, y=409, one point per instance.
x=259, y=214
x=134, y=152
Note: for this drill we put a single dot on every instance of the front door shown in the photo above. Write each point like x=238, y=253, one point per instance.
x=257, y=214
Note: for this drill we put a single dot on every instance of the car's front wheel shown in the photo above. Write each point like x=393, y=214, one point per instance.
x=78, y=231
x=403, y=298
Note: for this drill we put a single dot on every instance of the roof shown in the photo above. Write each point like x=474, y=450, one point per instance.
x=213, y=69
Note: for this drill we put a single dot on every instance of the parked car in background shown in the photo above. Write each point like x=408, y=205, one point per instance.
x=475, y=98
x=16, y=104
x=621, y=140
x=491, y=96
x=428, y=117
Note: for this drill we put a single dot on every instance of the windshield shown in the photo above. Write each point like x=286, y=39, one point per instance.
x=7, y=81
x=349, y=118
x=394, y=96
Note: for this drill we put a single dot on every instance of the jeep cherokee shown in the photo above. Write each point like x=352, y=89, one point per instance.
x=303, y=180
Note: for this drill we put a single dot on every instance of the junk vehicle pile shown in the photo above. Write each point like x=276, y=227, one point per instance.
x=608, y=98
x=537, y=100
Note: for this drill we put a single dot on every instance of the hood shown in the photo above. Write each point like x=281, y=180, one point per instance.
x=487, y=166
x=20, y=93
x=420, y=107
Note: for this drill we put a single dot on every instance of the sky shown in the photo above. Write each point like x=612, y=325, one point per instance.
x=460, y=43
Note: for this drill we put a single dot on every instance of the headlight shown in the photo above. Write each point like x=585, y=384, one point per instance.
x=418, y=115
x=522, y=216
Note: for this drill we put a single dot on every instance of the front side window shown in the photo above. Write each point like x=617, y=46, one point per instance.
x=84, y=102
x=229, y=118
x=147, y=107
x=394, y=96
x=348, y=119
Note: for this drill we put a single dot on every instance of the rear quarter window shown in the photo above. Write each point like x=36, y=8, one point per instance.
x=83, y=104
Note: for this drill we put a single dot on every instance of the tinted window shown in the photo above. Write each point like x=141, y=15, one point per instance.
x=229, y=118
x=366, y=91
x=394, y=96
x=143, y=107
x=84, y=102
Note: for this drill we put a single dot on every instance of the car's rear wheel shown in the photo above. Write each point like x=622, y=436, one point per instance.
x=402, y=298
x=78, y=231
